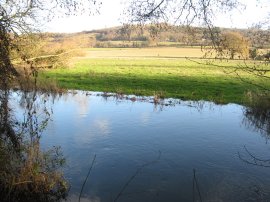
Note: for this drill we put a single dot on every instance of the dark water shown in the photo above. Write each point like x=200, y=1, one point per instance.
x=148, y=152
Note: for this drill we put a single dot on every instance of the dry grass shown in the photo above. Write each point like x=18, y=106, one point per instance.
x=168, y=52
x=34, y=176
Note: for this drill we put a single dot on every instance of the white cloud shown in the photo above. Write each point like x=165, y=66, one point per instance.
x=110, y=15
x=145, y=118
x=253, y=14
x=111, y=10
x=102, y=126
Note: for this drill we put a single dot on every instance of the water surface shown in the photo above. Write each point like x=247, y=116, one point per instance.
x=148, y=152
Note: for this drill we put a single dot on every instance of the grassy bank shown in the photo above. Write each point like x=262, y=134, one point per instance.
x=177, y=78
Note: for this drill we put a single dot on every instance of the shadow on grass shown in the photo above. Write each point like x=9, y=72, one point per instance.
x=219, y=89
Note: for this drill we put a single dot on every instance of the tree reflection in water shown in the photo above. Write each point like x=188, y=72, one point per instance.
x=257, y=114
x=257, y=117
x=26, y=172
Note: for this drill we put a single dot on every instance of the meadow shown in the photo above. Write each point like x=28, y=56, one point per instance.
x=154, y=52
x=162, y=72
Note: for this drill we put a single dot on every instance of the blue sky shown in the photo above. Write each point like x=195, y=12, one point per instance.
x=111, y=15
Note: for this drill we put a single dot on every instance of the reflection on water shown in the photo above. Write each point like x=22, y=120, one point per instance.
x=147, y=151
x=257, y=117
x=28, y=173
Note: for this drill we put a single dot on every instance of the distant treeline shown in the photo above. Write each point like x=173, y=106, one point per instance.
x=158, y=35
x=54, y=49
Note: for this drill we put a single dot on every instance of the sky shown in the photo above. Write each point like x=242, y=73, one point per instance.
x=111, y=15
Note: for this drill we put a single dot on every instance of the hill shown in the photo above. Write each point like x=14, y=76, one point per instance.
x=131, y=36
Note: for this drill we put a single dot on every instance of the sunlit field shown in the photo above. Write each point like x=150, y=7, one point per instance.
x=168, y=52
x=164, y=72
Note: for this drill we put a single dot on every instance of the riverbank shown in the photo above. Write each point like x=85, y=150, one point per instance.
x=163, y=77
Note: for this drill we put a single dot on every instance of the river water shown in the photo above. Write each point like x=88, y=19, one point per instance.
x=168, y=151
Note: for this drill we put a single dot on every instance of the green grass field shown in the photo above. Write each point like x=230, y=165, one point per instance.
x=177, y=78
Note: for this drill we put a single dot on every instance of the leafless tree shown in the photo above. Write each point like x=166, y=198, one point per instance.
x=19, y=142
x=179, y=11
x=25, y=16
x=184, y=12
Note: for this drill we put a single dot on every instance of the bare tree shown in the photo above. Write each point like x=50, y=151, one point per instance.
x=235, y=43
x=19, y=17
x=20, y=140
x=187, y=12
x=179, y=11
x=24, y=15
